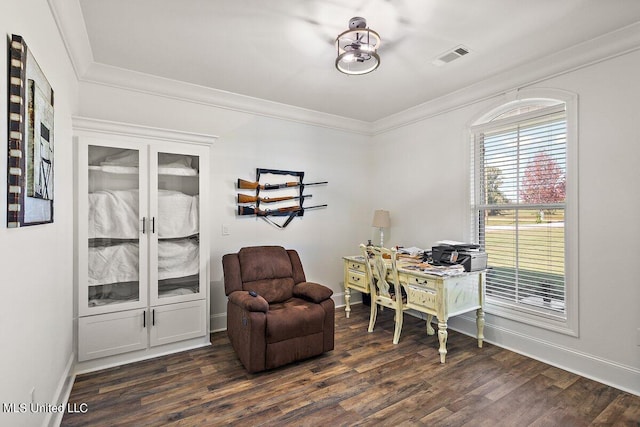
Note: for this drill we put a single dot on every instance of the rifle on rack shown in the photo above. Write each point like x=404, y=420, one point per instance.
x=290, y=211
x=244, y=198
x=297, y=210
x=250, y=185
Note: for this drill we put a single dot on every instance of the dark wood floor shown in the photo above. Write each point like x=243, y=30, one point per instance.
x=366, y=380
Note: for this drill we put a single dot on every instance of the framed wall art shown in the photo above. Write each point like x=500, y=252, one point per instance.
x=31, y=138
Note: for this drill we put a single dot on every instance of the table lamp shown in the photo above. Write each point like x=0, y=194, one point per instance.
x=381, y=220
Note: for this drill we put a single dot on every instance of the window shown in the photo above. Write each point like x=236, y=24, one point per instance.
x=519, y=212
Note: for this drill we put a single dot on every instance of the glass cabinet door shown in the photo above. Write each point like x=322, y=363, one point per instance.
x=115, y=229
x=175, y=221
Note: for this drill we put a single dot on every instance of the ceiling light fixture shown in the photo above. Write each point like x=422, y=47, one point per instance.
x=357, y=48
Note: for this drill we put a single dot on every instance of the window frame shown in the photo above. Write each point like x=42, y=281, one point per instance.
x=569, y=323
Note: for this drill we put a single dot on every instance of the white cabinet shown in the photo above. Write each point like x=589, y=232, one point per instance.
x=177, y=322
x=112, y=333
x=142, y=252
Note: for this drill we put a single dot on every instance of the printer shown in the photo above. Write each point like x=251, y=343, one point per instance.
x=468, y=255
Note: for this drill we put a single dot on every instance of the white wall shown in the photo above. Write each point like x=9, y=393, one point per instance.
x=36, y=288
x=429, y=161
x=247, y=142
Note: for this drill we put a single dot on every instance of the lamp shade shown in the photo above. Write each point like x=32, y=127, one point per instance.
x=381, y=219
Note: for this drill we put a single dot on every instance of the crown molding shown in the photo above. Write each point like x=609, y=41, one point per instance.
x=159, y=86
x=70, y=22
x=68, y=17
x=602, y=48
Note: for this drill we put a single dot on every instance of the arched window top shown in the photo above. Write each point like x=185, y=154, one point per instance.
x=525, y=106
x=527, y=100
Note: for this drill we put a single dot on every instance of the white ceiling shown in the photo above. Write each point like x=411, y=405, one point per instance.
x=283, y=51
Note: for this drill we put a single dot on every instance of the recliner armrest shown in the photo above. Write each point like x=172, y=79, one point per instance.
x=312, y=291
x=249, y=303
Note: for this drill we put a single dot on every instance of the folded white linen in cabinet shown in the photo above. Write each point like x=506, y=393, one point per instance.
x=177, y=214
x=125, y=157
x=175, y=164
x=178, y=258
x=113, y=264
x=176, y=171
x=120, y=263
x=127, y=161
x=133, y=170
x=114, y=214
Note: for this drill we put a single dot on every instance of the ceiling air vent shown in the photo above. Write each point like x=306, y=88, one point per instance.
x=450, y=55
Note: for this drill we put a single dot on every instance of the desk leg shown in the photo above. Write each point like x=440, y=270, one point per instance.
x=442, y=337
x=347, y=301
x=430, y=330
x=480, y=325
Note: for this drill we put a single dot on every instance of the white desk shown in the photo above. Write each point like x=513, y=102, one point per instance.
x=441, y=296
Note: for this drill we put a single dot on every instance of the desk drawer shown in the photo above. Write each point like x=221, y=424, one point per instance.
x=422, y=282
x=356, y=267
x=421, y=297
x=357, y=281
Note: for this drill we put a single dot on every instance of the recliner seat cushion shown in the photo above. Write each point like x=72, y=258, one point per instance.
x=273, y=290
x=294, y=318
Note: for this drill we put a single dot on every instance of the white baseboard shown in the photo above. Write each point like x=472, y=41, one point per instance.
x=61, y=396
x=137, y=356
x=218, y=322
x=625, y=378
x=338, y=299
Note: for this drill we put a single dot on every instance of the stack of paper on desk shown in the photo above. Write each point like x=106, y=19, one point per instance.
x=437, y=270
x=411, y=251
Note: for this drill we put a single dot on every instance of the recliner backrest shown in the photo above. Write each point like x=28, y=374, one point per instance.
x=268, y=271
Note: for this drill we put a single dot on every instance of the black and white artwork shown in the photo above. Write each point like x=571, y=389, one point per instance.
x=31, y=140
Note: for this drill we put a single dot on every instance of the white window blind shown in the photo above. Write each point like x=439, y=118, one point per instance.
x=519, y=177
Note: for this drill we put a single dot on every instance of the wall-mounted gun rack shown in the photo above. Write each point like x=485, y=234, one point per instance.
x=268, y=206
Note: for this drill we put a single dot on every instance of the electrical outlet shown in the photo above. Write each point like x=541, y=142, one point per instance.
x=33, y=394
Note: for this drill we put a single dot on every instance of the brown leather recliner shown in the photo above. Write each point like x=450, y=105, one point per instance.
x=274, y=316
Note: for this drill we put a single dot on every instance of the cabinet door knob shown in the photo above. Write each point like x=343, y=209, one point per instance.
x=144, y=221
x=144, y=319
